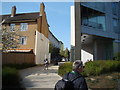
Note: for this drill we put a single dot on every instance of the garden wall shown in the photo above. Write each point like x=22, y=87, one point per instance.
x=18, y=58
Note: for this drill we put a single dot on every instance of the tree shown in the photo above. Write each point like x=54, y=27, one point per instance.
x=62, y=52
x=10, y=39
x=66, y=52
x=54, y=52
x=50, y=47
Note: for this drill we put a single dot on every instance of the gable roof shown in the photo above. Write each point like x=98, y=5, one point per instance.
x=20, y=17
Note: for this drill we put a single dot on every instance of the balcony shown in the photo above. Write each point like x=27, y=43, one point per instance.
x=92, y=24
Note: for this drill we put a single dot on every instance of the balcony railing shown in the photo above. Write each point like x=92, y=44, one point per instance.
x=92, y=24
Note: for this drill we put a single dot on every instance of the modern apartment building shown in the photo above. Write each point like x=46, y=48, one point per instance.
x=34, y=31
x=100, y=31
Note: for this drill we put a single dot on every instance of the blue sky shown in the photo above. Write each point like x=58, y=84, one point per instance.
x=58, y=16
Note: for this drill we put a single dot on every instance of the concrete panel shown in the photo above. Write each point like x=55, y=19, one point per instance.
x=41, y=48
x=72, y=26
x=77, y=31
x=87, y=52
x=86, y=56
x=104, y=50
x=97, y=32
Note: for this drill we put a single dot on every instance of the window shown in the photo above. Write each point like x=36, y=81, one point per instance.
x=114, y=7
x=23, y=26
x=115, y=25
x=93, y=18
x=23, y=40
x=115, y=22
x=12, y=27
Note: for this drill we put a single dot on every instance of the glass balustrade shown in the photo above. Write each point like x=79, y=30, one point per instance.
x=92, y=24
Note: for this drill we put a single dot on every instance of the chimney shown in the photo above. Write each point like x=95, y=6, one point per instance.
x=42, y=8
x=13, y=12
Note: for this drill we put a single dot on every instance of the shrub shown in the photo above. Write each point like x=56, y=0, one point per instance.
x=101, y=66
x=10, y=77
x=93, y=67
x=19, y=66
x=117, y=56
x=64, y=68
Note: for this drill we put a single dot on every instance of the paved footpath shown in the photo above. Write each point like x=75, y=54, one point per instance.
x=37, y=77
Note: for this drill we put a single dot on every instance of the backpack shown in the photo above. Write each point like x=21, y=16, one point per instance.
x=65, y=84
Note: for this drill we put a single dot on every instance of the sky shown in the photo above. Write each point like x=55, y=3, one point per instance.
x=58, y=16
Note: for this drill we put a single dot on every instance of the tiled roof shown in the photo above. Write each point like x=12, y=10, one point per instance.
x=20, y=17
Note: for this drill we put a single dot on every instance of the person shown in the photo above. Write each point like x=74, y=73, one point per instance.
x=46, y=63
x=80, y=82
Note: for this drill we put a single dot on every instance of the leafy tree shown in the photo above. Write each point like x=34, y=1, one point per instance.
x=62, y=53
x=10, y=39
x=50, y=47
x=54, y=51
x=66, y=52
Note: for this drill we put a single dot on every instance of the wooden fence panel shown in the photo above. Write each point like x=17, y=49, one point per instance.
x=29, y=58
x=18, y=58
x=11, y=58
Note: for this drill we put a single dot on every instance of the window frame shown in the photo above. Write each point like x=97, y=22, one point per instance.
x=23, y=40
x=23, y=26
x=12, y=27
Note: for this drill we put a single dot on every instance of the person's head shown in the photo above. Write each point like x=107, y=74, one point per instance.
x=78, y=66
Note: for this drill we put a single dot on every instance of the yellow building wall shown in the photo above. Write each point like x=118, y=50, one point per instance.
x=30, y=34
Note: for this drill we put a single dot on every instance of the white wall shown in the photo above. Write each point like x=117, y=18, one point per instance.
x=41, y=48
x=86, y=56
x=72, y=37
x=72, y=26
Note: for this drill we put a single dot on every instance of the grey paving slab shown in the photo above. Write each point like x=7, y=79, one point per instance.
x=37, y=77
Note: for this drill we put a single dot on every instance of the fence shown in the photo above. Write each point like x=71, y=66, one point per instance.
x=18, y=58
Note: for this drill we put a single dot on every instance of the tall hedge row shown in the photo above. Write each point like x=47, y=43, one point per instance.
x=101, y=66
x=93, y=67
x=10, y=75
x=10, y=78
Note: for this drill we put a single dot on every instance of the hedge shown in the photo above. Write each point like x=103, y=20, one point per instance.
x=10, y=75
x=64, y=68
x=10, y=78
x=93, y=67
x=19, y=66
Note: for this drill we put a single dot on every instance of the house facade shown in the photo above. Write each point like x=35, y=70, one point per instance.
x=100, y=31
x=55, y=42
x=34, y=31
